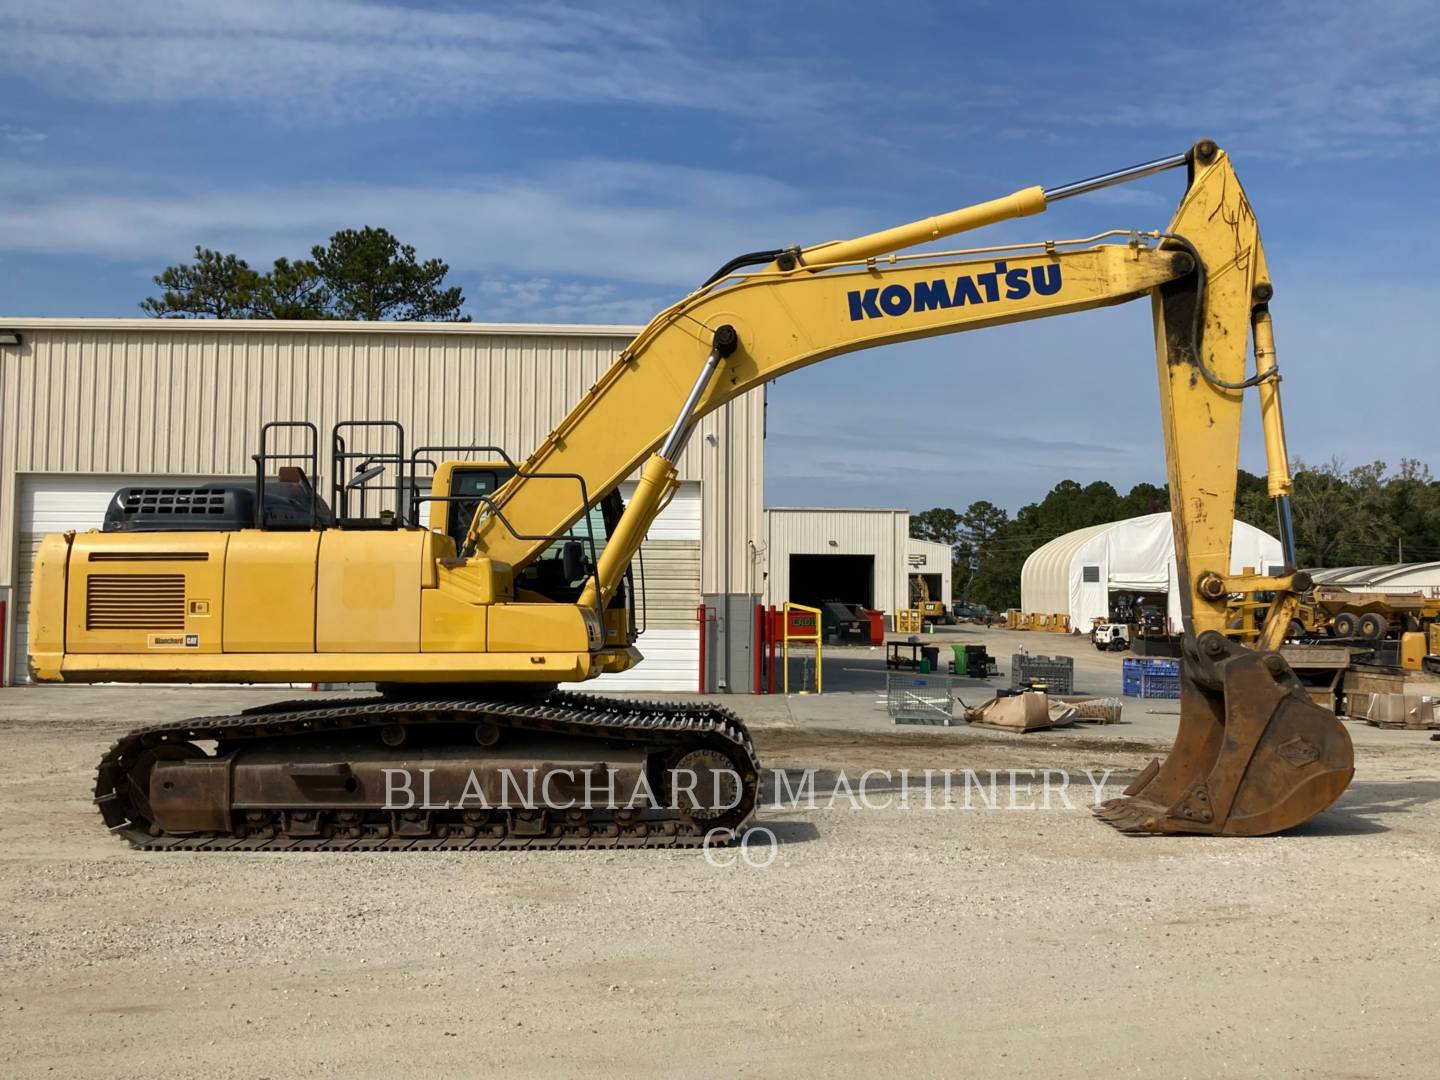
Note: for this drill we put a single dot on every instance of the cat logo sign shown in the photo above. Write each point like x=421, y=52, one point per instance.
x=173, y=641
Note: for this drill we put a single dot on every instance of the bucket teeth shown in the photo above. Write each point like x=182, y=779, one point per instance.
x=1128, y=815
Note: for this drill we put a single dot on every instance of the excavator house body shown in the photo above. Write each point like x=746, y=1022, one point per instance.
x=323, y=605
x=467, y=611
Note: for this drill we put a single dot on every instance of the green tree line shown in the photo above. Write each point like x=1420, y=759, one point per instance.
x=359, y=274
x=1343, y=517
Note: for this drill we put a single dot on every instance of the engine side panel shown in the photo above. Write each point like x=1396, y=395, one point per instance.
x=368, y=591
x=270, y=592
x=146, y=593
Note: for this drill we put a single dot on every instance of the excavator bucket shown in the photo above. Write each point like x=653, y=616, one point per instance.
x=1253, y=754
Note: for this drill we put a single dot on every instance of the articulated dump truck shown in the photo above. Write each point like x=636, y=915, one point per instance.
x=1335, y=612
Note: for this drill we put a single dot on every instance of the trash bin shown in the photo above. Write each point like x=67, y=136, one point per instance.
x=974, y=662
x=876, y=620
x=930, y=654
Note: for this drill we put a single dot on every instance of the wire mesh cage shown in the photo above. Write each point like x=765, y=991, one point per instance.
x=919, y=699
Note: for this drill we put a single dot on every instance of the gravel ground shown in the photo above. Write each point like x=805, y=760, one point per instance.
x=934, y=941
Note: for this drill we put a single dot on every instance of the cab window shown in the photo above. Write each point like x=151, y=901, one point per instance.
x=465, y=485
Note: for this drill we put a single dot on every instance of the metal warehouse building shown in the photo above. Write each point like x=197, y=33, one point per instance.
x=857, y=556
x=90, y=405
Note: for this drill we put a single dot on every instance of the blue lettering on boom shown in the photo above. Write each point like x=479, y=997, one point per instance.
x=896, y=300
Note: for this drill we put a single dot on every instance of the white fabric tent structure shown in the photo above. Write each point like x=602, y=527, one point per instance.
x=1077, y=572
x=1421, y=578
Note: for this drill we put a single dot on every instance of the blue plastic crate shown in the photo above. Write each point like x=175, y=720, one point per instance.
x=1160, y=665
x=1160, y=686
x=1142, y=680
x=1152, y=665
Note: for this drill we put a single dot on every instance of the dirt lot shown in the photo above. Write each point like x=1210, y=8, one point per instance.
x=932, y=941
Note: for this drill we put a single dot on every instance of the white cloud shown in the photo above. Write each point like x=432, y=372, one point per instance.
x=1298, y=80
x=540, y=299
x=626, y=222
x=19, y=135
x=333, y=56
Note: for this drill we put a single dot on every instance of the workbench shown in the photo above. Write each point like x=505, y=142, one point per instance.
x=894, y=659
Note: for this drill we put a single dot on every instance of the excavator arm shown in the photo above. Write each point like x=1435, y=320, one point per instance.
x=1253, y=754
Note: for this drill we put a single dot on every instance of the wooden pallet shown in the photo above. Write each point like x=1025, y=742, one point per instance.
x=1400, y=725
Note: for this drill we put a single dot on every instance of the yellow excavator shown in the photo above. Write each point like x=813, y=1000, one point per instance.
x=931, y=611
x=469, y=601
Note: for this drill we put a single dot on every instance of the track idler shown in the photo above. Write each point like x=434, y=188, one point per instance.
x=1253, y=754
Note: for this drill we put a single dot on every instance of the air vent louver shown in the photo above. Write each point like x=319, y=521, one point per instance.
x=149, y=556
x=135, y=602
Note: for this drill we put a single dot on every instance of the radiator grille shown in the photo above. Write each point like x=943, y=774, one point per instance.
x=135, y=602
x=197, y=501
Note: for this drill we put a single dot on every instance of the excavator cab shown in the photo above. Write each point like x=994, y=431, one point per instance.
x=457, y=490
x=460, y=488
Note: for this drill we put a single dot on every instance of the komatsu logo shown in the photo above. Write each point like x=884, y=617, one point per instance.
x=985, y=288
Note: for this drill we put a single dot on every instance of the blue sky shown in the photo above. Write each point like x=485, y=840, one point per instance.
x=593, y=163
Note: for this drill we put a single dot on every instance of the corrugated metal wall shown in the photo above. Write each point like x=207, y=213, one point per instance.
x=810, y=531
x=150, y=396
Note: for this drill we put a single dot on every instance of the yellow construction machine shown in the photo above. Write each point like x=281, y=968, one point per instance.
x=467, y=621
x=931, y=611
x=1333, y=611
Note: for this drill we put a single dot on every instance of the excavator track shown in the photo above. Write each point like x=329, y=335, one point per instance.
x=674, y=730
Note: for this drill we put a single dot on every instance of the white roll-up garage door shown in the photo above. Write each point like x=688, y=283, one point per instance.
x=670, y=588
x=52, y=504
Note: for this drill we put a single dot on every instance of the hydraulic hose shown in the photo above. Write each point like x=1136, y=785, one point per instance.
x=750, y=258
x=1198, y=325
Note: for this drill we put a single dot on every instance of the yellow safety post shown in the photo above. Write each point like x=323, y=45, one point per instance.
x=801, y=624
